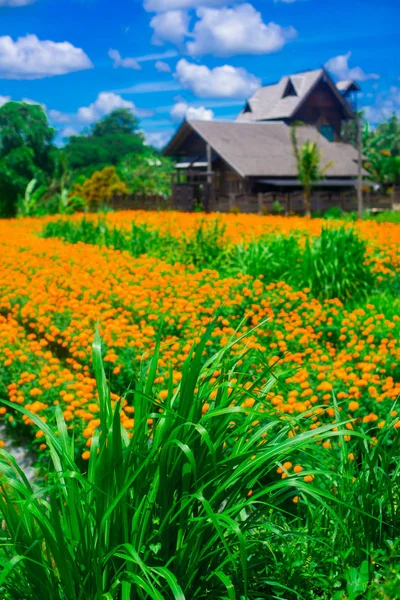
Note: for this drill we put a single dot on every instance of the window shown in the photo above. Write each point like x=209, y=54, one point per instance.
x=328, y=132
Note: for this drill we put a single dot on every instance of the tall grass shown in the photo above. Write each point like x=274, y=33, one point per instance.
x=332, y=265
x=190, y=506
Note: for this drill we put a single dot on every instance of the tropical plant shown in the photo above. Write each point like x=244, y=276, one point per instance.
x=28, y=203
x=309, y=170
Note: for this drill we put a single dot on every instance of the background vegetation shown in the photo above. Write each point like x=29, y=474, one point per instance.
x=109, y=158
x=67, y=178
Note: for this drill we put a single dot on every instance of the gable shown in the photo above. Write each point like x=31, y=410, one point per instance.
x=284, y=99
x=289, y=89
x=322, y=99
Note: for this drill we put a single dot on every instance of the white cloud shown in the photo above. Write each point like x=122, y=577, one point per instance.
x=151, y=87
x=4, y=100
x=170, y=27
x=162, y=67
x=157, y=56
x=167, y=5
x=104, y=104
x=30, y=101
x=221, y=82
x=58, y=116
x=126, y=63
x=237, y=30
x=68, y=131
x=339, y=66
x=182, y=110
x=31, y=58
x=15, y=3
x=387, y=104
x=158, y=139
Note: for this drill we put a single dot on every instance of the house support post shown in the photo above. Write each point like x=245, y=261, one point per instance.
x=210, y=186
x=259, y=200
x=360, y=207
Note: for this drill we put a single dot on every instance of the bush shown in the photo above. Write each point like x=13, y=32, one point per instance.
x=100, y=187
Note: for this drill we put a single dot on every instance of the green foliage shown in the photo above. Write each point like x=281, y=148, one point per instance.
x=190, y=505
x=27, y=205
x=382, y=150
x=277, y=208
x=26, y=152
x=274, y=258
x=331, y=265
x=204, y=249
x=387, y=217
x=108, y=142
x=118, y=122
x=309, y=170
x=141, y=239
x=147, y=173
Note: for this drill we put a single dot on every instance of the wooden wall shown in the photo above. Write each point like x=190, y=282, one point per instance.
x=322, y=108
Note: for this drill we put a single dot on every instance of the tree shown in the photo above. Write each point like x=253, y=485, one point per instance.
x=309, y=171
x=26, y=151
x=87, y=154
x=382, y=151
x=107, y=143
x=147, y=173
x=119, y=122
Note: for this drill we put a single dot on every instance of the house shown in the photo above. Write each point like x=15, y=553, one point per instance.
x=249, y=162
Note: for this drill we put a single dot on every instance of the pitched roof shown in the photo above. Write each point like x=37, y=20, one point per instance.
x=265, y=149
x=347, y=86
x=270, y=102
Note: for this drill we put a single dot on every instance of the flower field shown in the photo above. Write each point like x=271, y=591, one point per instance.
x=52, y=294
x=273, y=339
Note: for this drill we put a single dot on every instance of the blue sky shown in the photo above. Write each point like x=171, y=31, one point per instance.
x=165, y=59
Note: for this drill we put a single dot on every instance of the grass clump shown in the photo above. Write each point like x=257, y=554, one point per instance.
x=332, y=265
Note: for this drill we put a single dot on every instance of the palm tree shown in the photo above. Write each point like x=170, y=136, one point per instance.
x=309, y=171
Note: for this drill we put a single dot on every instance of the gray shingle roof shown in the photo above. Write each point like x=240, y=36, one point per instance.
x=268, y=102
x=265, y=149
x=347, y=85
